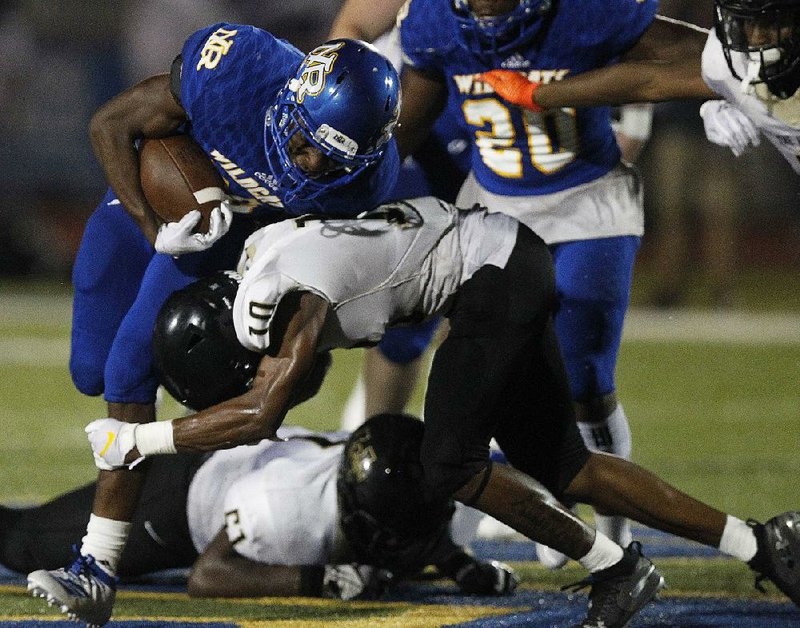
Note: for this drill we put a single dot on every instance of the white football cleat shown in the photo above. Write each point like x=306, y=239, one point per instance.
x=82, y=592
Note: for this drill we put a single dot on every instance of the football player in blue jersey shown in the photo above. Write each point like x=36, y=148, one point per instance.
x=290, y=134
x=439, y=167
x=558, y=171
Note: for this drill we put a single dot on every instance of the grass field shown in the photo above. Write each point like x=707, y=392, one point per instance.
x=714, y=403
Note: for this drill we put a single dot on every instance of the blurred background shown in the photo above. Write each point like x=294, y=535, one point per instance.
x=722, y=232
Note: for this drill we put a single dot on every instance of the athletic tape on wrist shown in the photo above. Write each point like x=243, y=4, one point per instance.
x=155, y=438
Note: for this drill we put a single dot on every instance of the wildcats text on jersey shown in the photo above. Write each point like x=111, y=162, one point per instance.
x=249, y=184
x=471, y=85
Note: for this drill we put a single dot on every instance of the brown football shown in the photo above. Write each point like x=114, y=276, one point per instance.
x=177, y=177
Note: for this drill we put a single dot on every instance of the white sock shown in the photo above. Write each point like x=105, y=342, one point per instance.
x=617, y=528
x=604, y=554
x=355, y=410
x=612, y=436
x=738, y=540
x=105, y=540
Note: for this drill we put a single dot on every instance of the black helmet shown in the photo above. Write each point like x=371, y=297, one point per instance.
x=385, y=516
x=197, y=357
x=766, y=33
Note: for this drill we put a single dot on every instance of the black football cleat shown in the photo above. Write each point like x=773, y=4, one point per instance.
x=621, y=591
x=778, y=555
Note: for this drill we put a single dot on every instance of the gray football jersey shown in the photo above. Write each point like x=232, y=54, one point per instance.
x=400, y=263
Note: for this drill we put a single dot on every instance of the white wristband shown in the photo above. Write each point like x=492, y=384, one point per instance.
x=155, y=438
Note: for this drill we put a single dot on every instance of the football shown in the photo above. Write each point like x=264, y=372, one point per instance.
x=177, y=177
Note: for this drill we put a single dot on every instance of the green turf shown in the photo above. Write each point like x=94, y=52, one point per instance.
x=721, y=421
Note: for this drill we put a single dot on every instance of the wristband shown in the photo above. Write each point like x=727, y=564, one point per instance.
x=155, y=438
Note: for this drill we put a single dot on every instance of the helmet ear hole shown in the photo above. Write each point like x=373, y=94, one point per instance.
x=193, y=341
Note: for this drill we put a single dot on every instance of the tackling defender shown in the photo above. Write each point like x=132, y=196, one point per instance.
x=313, y=284
x=289, y=133
x=227, y=517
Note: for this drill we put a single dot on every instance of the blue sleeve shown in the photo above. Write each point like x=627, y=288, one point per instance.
x=626, y=21
x=427, y=31
x=221, y=56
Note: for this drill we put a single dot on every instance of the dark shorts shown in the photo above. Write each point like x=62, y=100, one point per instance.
x=500, y=374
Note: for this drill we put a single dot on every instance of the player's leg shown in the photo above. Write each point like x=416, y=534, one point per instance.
x=389, y=374
x=108, y=269
x=593, y=279
x=131, y=384
x=43, y=537
x=107, y=274
x=620, y=486
x=87, y=589
x=500, y=325
x=159, y=537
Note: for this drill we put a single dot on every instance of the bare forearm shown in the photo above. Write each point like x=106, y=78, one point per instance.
x=145, y=110
x=365, y=19
x=240, y=421
x=633, y=81
x=241, y=577
x=220, y=571
x=424, y=97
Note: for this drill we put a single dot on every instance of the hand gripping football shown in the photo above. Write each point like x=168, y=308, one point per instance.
x=177, y=177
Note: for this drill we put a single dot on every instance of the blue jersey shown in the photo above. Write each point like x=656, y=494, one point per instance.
x=231, y=75
x=517, y=152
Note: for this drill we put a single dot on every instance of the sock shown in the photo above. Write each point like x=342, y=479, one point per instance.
x=611, y=435
x=617, y=528
x=603, y=554
x=105, y=540
x=738, y=540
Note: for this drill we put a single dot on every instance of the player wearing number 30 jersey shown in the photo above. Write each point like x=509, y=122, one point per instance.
x=558, y=171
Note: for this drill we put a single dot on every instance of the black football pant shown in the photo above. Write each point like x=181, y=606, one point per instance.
x=499, y=373
x=41, y=537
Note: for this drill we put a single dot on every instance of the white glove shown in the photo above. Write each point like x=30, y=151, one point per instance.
x=111, y=440
x=727, y=126
x=177, y=238
x=354, y=582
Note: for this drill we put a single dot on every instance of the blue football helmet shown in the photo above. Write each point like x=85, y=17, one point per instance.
x=766, y=34
x=500, y=34
x=345, y=100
